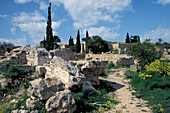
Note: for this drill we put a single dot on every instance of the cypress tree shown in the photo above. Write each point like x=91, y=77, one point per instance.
x=87, y=34
x=44, y=42
x=78, y=45
x=70, y=39
x=72, y=42
x=49, y=34
x=127, y=38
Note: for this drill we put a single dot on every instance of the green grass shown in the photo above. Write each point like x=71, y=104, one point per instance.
x=154, y=89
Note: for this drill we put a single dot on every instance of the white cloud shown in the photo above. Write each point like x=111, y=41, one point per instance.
x=16, y=42
x=43, y=5
x=87, y=13
x=3, y=16
x=13, y=30
x=34, y=24
x=163, y=2
x=22, y=1
x=163, y=33
x=104, y=32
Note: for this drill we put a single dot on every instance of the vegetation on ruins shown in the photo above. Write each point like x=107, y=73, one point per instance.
x=152, y=84
x=145, y=52
x=96, y=102
x=78, y=44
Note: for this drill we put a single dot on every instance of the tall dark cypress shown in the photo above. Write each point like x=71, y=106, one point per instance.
x=49, y=34
x=78, y=45
x=127, y=38
x=87, y=34
x=44, y=42
x=70, y=43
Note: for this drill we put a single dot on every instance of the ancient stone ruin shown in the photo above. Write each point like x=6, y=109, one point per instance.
x=56, y=77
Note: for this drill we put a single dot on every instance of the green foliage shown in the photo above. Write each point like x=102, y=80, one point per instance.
x=96, y=45
x=73, y=48
x=145, y=52
x=95, y=102
x=111, y=65
x=78, y=45
x=11, y=70
x=153, y=89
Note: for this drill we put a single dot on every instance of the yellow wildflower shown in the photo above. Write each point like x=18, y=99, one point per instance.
x=101, y=109
x=118, y=111
x=25, y=83
x=144, y=78
x=123, y=106
x=1, y=111
x=161, y=109
x=112, y=105
x=150, y=76
x=147, y=75
x=116, y=98
x=108, y=102
x=20, y=78
x=159, y=105
x=92, y=105
x=151, y=107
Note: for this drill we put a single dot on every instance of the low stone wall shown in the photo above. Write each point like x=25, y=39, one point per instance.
x=27, y=68
x=66, y=54
x=110, y=57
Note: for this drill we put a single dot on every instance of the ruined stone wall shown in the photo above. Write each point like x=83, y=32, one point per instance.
x=65, y=54
x=106, y=57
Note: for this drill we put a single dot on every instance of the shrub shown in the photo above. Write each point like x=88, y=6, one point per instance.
x=111, y=65
x=10, y=70
x=159, y=66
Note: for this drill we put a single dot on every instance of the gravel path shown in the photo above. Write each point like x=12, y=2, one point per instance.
x=128, y=102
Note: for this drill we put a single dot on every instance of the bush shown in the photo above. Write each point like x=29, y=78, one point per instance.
x=111, y=65
x=10, y=70
x=160, y=67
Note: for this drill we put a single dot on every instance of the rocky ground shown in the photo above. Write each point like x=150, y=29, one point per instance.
x=127, y=102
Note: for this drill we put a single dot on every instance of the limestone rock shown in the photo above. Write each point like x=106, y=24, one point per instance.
x=41, y=70
x=87, y=88
x=19, y=111
x=62, y=70
x=34, y=111
x=39, y=88
x=3, y=83
x=91, y=69
x=33, y=102
x=62, y=102
x=133, y=68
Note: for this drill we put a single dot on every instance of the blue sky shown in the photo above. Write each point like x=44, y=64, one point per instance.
x=24, y=21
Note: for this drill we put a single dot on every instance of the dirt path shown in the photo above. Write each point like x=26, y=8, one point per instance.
x=128, y=102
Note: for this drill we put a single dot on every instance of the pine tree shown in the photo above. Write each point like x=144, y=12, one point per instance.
x=49, y=34
x=78, y=45
x=127, y=38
